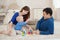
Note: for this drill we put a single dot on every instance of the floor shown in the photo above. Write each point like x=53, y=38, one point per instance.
x=56, y=36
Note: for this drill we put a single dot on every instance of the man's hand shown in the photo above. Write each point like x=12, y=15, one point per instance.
x=36, y=32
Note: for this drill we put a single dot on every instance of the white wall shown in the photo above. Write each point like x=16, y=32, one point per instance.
x=35, y=5
x=56, y=6
x=1, y=2
x=31, y=3
x=58, y=13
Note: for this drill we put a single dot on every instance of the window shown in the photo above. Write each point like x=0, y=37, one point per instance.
x=56, y=3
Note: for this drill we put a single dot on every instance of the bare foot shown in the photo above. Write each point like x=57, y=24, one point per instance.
x=8, y=33
x=5, y=32
x=1, y=32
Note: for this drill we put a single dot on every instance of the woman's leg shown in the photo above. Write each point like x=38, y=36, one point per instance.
x=4, y=32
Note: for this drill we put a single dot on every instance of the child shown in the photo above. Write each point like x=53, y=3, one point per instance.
x=21, y=25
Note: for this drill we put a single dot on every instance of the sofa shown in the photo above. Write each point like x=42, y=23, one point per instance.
x=32, y=23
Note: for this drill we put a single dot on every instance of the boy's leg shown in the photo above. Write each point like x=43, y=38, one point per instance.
x=18, y=32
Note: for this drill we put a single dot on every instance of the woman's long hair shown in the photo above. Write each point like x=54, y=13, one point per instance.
x=26, y=16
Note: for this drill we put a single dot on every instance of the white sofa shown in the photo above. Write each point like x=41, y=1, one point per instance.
x=4, y=26
x=33, y=37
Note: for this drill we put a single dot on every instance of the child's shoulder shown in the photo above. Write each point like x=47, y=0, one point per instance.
x=20, y=17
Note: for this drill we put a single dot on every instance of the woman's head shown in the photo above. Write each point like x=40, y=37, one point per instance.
x=26, y=12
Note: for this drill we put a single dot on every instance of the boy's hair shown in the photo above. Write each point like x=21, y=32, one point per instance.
x=48, y=11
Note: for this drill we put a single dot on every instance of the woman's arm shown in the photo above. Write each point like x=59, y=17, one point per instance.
x=10, y=28
x=27, y=20
x=12, y=22
x=8, y=32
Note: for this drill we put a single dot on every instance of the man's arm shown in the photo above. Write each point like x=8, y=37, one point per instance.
x=39, y=23
x=50, y=29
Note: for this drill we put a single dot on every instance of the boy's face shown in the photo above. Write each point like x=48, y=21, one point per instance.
x=19, y=19
x=45, y=15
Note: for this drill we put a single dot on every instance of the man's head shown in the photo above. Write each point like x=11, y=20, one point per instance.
x=47, y=13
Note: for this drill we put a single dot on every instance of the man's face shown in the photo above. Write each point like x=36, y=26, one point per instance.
x=45, y=15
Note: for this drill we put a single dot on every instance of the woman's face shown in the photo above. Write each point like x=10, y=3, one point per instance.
x=24, y=12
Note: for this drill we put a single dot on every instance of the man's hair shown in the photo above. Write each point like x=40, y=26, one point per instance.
x=48, y=11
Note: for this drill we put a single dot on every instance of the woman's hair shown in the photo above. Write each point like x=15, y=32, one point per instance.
x=26, y=16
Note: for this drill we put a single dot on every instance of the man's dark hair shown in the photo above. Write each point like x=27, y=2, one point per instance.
x=48, y=11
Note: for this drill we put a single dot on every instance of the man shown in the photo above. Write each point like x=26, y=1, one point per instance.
x=46, y=24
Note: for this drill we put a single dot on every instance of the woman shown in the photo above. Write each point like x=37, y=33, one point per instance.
x=25, y=12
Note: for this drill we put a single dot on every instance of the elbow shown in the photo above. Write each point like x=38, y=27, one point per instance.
x=52, y=33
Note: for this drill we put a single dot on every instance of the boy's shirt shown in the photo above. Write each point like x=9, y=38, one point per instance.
x=19, y=25
x=13, y=20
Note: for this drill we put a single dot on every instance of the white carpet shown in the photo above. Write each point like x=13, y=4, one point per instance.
x=56, y=35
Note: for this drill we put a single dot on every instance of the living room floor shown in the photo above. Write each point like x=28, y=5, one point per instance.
x=56, y=36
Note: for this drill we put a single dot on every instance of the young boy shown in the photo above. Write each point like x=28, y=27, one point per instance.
x=22, y=26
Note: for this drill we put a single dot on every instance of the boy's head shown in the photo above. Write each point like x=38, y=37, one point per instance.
x=47, y=12
x=19, y=19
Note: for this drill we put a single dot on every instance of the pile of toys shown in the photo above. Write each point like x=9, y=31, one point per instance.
x=25, y=31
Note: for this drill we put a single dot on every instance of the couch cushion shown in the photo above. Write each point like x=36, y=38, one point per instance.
x=9, y=16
